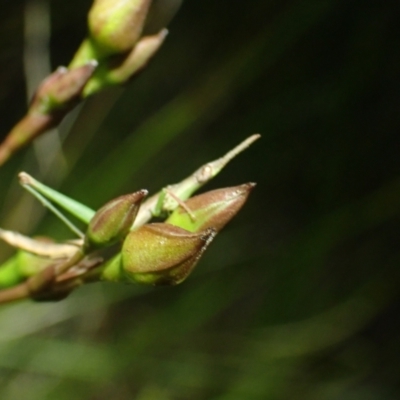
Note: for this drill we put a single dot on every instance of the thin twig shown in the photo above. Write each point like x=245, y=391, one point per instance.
x=17, y=292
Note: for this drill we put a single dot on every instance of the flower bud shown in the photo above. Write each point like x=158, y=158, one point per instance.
x=116, y=25
x=113, y=221
x=138, y=58
x=162, y=254
x=61, y=89
x=111, y=72
x=211, y=209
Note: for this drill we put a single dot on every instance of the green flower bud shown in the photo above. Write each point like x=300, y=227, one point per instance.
x=62, y=89
x=211, y=209
x=116, y=25
x=112, y=222
x=115, y=72
x=162, y=254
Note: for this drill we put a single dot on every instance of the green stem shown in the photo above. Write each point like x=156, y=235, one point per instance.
x=84, y=54
x=78, y=210
x=55, y=211
x=9, y=272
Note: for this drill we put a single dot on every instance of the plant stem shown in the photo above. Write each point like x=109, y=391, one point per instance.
x=18, y=292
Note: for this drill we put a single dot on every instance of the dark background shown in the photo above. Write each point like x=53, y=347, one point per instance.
x=298, y=297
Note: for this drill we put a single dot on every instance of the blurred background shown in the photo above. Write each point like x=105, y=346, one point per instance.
x=298, y=297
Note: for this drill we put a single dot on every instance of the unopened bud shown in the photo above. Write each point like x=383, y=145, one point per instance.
x=211, y=209
x=162, y=254
x=116, y=25
x=111, y=72
x=62, y=88
x=144, y=50
x=112, y=222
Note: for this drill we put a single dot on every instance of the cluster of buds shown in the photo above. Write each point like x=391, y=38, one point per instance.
x=121, y=244
x=165, y=253
x=114, y=51
x=115, y=250
x=152, y=254
x=117, y=43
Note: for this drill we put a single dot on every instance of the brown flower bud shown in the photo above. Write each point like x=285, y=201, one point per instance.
x=211, y=209
x=113, y=221
x=162, y=254
x=61, y=89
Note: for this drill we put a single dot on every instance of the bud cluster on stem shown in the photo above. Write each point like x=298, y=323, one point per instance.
x=120, y=242
x=166, y=253
x=112, y=54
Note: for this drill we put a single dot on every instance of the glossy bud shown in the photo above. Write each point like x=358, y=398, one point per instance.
x=211, y=209
x=162, y=254
x=112, y=222
x=116, y=25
